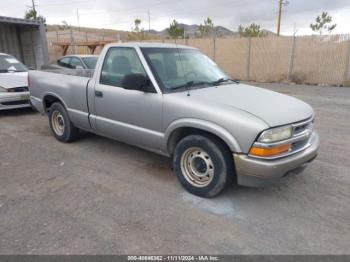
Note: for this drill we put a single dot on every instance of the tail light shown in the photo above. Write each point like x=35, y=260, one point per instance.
x=29, y=81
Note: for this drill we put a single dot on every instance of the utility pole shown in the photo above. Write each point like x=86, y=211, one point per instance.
x=149, y=21
x=78, y=19
x=281, y=3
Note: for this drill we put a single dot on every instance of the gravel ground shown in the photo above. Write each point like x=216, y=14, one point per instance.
x=98, y=196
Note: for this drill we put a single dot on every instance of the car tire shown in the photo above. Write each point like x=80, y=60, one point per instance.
x=60, y=124
x=203, y=164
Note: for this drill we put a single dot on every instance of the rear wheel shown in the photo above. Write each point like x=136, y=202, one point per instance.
x=61, y=126
x=203, y=165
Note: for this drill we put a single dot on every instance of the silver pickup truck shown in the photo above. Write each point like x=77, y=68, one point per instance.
x=175, y=101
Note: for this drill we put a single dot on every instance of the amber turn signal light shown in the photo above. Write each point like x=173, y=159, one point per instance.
x=268, y=152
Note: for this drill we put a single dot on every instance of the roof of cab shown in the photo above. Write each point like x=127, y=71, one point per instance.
x=150, y=45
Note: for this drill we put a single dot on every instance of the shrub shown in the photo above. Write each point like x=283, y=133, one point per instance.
x=346, y=83
x=297, y=78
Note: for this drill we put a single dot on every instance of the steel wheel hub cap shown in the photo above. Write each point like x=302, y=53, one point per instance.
x=197, y=167
x=58, y=124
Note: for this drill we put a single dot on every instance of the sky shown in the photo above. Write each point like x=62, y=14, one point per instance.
x=120, y=14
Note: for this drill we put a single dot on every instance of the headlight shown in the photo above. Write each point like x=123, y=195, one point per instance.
x=2, y=89
x=276, y=134
x=264, y=146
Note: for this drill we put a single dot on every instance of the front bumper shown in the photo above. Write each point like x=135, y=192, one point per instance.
x=14, y=100
x=258, y=172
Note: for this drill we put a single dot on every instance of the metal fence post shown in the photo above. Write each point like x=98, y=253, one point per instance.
x=72, y=39
x=347, y=64
x=291, y=58
x=214, y=46
x=248, y=58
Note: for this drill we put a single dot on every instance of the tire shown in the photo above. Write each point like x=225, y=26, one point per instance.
x=203, y=165
x=60, y=124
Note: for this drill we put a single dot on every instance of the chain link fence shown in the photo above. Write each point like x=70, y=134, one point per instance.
x=299, y=59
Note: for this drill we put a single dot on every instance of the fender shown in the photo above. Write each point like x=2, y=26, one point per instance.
x=56, y=96
x=210, y=127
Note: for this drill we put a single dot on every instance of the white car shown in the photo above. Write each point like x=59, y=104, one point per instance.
x=14, y=91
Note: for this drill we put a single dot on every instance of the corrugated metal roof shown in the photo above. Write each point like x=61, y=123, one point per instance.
x=13, y=20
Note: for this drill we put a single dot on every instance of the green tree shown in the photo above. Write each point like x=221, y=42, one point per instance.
x=251, y=31
x=207, y=28
x=33, y=15
x=137, y=33
x=323, y=23
x=175, y=31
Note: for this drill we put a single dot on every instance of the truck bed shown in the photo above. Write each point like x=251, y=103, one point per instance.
x=69, y=86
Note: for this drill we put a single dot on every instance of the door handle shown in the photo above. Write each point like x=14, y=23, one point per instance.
x=98, y=93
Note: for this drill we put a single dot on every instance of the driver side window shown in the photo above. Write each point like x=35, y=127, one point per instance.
x=119, y=62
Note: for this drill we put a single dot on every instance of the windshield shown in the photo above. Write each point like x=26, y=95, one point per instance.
x=181, y=68
x=9, y=63
x=90, y=62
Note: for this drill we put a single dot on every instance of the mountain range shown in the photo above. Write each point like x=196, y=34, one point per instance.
x=193, y=30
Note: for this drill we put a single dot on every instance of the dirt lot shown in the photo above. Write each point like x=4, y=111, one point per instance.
x=97, y=196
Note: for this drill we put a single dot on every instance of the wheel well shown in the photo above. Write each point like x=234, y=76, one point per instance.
x=182, y=132
x=49, y=100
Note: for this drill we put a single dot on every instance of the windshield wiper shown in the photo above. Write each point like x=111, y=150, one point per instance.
x=190, y=84
x=223, y=80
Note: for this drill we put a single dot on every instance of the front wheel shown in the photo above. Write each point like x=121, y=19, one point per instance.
x=60, y=124
x=203, y=165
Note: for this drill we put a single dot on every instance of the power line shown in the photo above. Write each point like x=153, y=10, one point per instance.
x=147, y=15
x=163, y=15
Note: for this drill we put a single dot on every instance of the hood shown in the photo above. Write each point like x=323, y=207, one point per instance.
x=273, y=108
x=13, y=79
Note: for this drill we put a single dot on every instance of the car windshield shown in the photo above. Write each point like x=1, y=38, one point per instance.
x=90, y=62
x=183, y=68
x=10, y=64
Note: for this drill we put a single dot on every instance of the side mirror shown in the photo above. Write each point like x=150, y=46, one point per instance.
x=136, y=82
x=79, y=67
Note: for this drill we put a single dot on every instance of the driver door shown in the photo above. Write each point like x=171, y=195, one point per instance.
x=129, y=116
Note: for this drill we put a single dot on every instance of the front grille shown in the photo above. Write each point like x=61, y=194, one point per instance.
x=18, y=89
x=15, y=103
x=301, y=134
x=302, y=127
x=298, y=145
